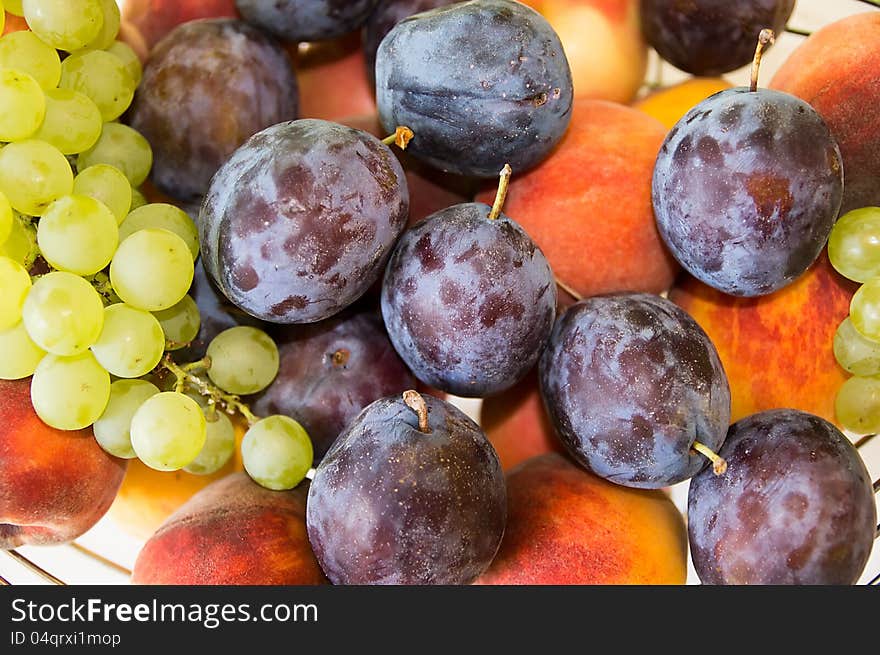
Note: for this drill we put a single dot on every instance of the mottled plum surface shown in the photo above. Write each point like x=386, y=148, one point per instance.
x=390, y=504
x=631, y=382
x=746, y=189
x=299, y=222
x=794, y=507
x=306, y=20
x=330, y=371
x=208, y=86
x=468, y=301
x=710, y=37
x=481, y=84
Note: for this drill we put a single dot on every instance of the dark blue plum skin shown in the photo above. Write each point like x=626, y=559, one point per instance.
x=481, y=84
x=208, y=86
x=330, y=371
x=794, y=507
x=306, y=20
x=392, y=505
x=468, y=302
x=746, y=189
x=630, y=382
x=300, y=221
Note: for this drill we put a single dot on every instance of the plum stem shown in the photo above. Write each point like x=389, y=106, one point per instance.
x=184, y=376
x=765, y=38
x=416, y=403
x=401, y=137
x=501, y=194
x=719, y=464
x=568, y=289
x=794, y=30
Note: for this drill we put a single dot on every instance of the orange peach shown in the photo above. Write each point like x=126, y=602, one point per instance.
x=669, y=104
x=776, y=349
x=567, y=526
x=54, y=485
x=588, y=206
x=233, y=532
x=153, y=19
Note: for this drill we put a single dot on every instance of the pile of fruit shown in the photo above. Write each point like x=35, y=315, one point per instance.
x=302, y=228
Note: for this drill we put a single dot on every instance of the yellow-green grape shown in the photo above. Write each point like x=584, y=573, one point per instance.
x=6, y=218
x=244, y=360
x=33, y=174
x=122, y=147
x=21, y=244
x=857, y=406
x=109, y=27
x=152, y=269
x=22, y=105
x=131, y=343
x=165, y=216
x=137, y=199
x=219, y=445
x=13, y=7
x=168, y=431
x=277, y=452
x=20, y=355
x=2, y=18
x=854, y=352
x=15, y=283
x=64, y=24
x=70, y=393
x=25, y=51
x=854, y=244
x=113, y=429
x=180, y=323
x=107, y=184
x=102, y=77
x=78, y=234
x=129, y=57
x=63, y=314
x=73, y=123
x=864, y=309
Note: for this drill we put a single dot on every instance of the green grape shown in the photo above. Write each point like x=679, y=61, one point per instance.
x=73, y=123
x=277, y=452
x=25, y=51
x=122, y=147
x=131, y=342
x=21, y=244
x=70, y=393
x=857, y=406
x=6, y=218
x=137, y=199
x=64, y=24
x=864, y=309
x=854, y=352
x=20, y=354
x=102, y=77
x=78, y=234
x=34, y=174
x=244, y=360
x=129, y=57
x=165, y=216
x=63, y=314
x=107, y=184
x=109, y=27
x=15, y=283
x=2, y=18
x=152, y=269
x=168, y=431
x=219, y=445
x=22, y=105
x=13, y=7
x=180, y=323
x=854, y=244
x=113, y=429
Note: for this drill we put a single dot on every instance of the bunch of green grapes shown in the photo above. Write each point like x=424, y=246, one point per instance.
x=854, y=250
x=93, y=331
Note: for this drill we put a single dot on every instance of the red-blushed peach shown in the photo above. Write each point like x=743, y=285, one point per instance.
x=567, y=526
x=776, y=349
x=670, y=103
x=54, y=485
x=14, y=23
x=153, y=19
x=836, y=71
x=233, y=532
x=588, y=206
x=517, y=423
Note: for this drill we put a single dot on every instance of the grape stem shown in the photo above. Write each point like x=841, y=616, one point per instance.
x=794, y=30
x=766, y=38
x=401, y=137
x=719, y=464
x=185, y=376
x=416, y=403
x=501, y=194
